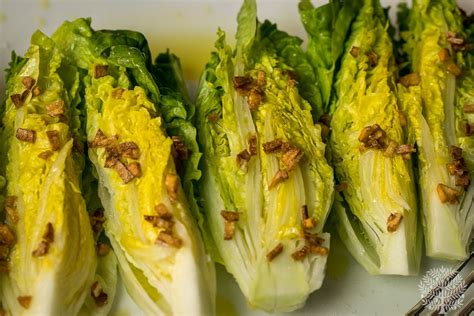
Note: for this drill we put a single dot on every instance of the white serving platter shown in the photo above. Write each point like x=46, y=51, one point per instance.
x=188, y=29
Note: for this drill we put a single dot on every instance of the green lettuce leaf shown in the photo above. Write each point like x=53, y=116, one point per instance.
x=327, y=27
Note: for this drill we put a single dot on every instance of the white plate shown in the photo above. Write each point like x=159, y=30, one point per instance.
x=188, y=28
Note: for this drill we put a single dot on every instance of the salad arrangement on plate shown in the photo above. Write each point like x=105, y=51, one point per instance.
x=113, y=179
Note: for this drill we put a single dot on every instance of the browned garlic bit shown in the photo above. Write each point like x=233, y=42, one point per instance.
x=291, y=158
x=409, y=80
x=444, y=54
x=112, y=157
x=129, y=150
x=25, y=301
x=272, y=146
x=341, y=186
x=300, y=254
x=405, y=151
x=373, y=58
x=454, y=39
x=171, y=183
x=56, y=108
x=230, y=216
x=274, y=252
x=28, y=82
x=98, y=294
x=10, y=208
x=242, y=159
x=100, y=140
x=7, y=236
x=26, y=135
x=255, y=98
x=167, y=238
x=117, y=93
x=47, y=239
x=100, y=71
x=163, y=219
x=463, y=181
x=158, y=222
x=246, y=86
x=229, y=223
x=53, y=138
x=7, y=241
x=286, y=146
x=307, y=221
x=229, y=230
x=41, y=250
x=163, y=212
x=45, y=154
x=17, y=100
x=447, y=194
x=313, y=245
x=355, y=51
x=458, y=167
x=253, y=145
x=454, y=69
x=279, y=177
x=102, y=249
x=455, y=152
x=468, y=108
x=372, y=137
x=180, y=148
x=135, y=169
x=319, y=250
x=48, y=235
x=97, y=220
x=242, y=84
x=391, y=148
x=123, y=172
x=393, y=222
